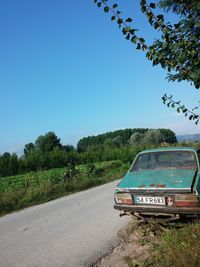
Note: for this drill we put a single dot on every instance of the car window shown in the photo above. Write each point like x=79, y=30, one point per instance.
x=165, y=160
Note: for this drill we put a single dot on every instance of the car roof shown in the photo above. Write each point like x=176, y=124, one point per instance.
x=194, y=149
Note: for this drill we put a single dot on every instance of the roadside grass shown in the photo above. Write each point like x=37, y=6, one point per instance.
x=178, y=248
x=167, y=247
x=22, y=191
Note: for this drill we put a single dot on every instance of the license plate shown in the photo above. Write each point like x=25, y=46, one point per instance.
x=150, y=200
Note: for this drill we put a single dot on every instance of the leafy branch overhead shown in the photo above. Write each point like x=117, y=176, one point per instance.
x=178, y=48
x=181, y=108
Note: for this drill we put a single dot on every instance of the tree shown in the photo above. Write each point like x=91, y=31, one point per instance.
x=47, y=142
x=168, y=136
x=28, y=148
x=109, y=139
x=135, y=139
x=5, y=164
x=57, y=158
x=178, y=48
x=152, y=137
x=180, y=7
x=117, y=141
x=14, y=164
x=34, y=161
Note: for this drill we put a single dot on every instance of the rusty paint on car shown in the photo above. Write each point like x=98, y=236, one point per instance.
x=158, y=177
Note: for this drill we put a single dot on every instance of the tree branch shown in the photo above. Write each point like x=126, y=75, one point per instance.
x=167, y=100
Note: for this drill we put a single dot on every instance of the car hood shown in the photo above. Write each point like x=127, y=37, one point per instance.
x=158, y=179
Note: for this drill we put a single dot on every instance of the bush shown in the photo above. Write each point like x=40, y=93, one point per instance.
x=90, y=170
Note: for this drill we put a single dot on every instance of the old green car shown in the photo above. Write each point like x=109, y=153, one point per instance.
x=162, y=183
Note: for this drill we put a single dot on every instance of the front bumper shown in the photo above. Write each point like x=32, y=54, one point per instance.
x=158, y=209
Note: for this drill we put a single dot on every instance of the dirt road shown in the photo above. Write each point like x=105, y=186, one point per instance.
x=71, y=231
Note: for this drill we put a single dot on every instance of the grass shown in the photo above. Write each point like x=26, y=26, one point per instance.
x=178, y=248
x=166, y=246
x=22, y=191
x=174, y=247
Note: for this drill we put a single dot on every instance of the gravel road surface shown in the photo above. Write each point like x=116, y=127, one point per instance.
x=71, y=231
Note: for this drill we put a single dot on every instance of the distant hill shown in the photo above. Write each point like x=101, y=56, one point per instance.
x=188, y=137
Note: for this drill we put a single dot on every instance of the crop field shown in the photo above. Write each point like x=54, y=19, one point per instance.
x=31, y=179
x=17, y=192
x=53, y=176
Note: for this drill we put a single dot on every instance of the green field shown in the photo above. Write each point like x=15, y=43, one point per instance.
x=20, y=191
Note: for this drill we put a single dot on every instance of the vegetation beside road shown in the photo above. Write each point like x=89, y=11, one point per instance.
x=49, y=169
x=33, y=188
x=47, y=152
x=178, y=247
x=152, y=245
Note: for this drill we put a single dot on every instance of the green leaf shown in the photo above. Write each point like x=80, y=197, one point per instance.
x=128, y=20
x=142, y=40
x=177, y=25
x=143, y=9
x=113, y=18
x=106, y=9
x=160, y=17
x=195, y=117
x=144, y=47
x=138, y=46
x=132, y=31
x=128, y=36
x=120, y=21
x=99, y=4
x=124, y=31
x=156, y=25
x=152, y=5
x=168, y=104
x=133, y=39
x=115, y=6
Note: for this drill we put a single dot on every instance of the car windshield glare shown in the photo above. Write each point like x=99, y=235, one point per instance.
x=165, y=160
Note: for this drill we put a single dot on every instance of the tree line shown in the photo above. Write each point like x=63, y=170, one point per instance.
x=133, y=137
x=48, y=152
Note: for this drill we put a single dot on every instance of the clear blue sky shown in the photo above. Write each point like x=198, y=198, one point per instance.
x=64, y=67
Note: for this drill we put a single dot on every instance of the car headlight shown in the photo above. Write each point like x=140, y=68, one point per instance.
x=123, y=198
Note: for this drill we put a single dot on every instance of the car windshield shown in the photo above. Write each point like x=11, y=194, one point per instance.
x=165, y=160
